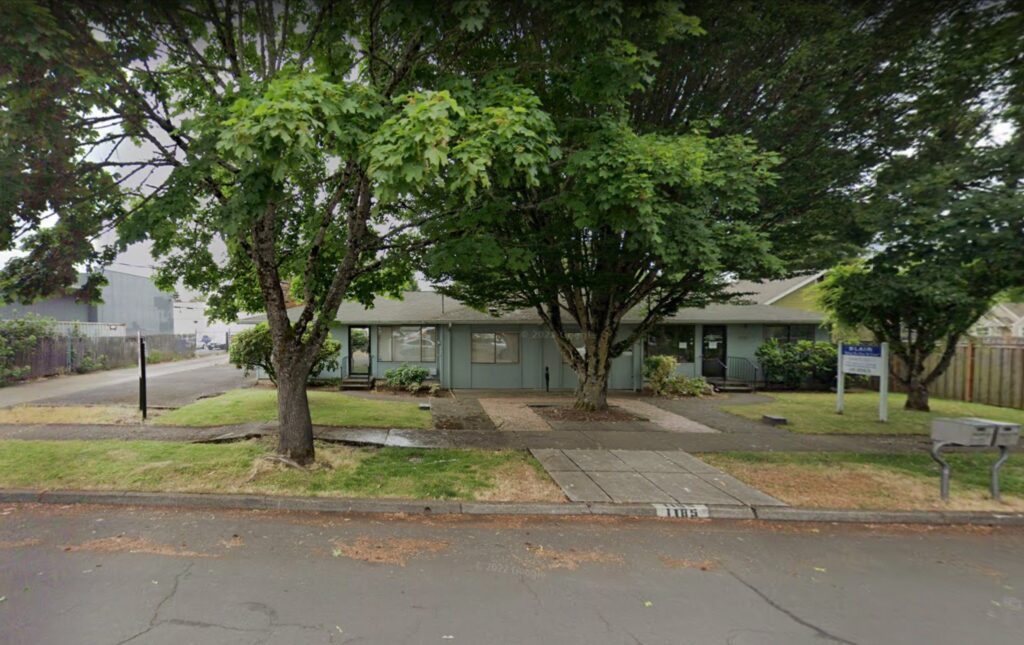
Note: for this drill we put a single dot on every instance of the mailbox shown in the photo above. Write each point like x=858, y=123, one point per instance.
x=1007, y=434
x=973, y=433
x=963, y=432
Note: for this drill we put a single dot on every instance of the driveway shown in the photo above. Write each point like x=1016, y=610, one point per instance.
x=146, y=576
x=169, y=385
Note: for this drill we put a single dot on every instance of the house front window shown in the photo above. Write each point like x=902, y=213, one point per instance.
x=407, y=344
x=500, y=347
x=789, y=333
x=676, y=341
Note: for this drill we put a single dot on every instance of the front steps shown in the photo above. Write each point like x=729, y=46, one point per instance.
x=727, y=385
x=357, y=383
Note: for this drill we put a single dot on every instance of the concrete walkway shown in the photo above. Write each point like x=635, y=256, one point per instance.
x=646, y=476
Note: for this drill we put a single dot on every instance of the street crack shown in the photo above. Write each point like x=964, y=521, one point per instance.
x=821, y=633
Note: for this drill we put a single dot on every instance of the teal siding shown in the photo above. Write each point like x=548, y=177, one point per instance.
x=537, y=353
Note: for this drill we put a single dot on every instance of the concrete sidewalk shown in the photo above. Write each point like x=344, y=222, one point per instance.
x=487, y=439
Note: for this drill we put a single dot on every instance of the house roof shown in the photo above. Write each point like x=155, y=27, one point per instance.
x=432, y=307
x=1014, y=308
x=770, y=291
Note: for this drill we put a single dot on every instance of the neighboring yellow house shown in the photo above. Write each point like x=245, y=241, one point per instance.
x=800, y=292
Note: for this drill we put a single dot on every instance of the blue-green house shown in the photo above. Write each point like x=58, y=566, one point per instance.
x=464, y=348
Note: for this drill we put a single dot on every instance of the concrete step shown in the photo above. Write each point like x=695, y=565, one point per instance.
x=357, y=384
x=734, y=388
x=725, y=385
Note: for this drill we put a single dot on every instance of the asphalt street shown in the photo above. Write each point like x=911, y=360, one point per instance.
x=146, y=576
x=169, y=385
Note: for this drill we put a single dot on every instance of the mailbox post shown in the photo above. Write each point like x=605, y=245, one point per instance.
x=973, y=433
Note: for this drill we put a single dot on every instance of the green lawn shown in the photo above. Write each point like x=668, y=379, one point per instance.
x=886, y=481
x=815, y=413
x=327, y=408
x=237, y=468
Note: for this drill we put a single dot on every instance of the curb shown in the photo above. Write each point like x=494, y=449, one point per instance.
x=447, y=507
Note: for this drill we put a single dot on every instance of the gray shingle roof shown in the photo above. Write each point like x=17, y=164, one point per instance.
x=432, y=307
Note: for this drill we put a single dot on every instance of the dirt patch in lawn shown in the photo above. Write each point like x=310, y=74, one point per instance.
x=860, y=486
x=125, y=544
x=395, y=551
x=565, y=413
x=68, y=414
x=519, y=482
x=513, y=414
x=571, y=559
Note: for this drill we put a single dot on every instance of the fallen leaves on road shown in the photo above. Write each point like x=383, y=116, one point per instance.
x=125, y=544
x=17, y=544
x=683, y=563
x=388, y=550
x=233, y=543
x=572, y=559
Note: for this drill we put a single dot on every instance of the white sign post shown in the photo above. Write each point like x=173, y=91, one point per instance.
x=864, y=360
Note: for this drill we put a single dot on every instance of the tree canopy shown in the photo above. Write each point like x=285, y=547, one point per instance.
x=625, y=219
x=735, y=140
x=948, y=210
x=252, y=144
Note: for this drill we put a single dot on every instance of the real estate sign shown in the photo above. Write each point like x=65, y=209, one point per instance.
x=864, y=360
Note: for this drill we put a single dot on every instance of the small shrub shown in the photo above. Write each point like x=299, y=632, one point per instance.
x=688, y=386
x=798, y=364
x=253, y=348
x=89, y=362
x=20, y=336
x=155, y=356
x=434, y=390
x=660, y=372
x=407, y=377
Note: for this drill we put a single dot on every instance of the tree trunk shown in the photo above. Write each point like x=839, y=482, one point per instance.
x=295, y=426
x=917, y=396
x=592, y=394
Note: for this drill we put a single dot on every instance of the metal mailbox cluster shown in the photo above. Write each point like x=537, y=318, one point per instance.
x=973, y=433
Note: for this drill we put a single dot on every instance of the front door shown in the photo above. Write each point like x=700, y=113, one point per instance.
x=714, y=353
x=359, y=351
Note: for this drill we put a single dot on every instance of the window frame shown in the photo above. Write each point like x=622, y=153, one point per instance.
x=388, y=338
x=691, y=350
x=789, y=337
x=494, y=347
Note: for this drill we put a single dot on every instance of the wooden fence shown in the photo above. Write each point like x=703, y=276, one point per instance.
x=67, y=354
x=982, y=372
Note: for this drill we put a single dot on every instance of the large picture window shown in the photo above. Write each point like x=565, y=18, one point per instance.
x=672, y=340
x=407, y=344
x=494, y=347
x=789, y=333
